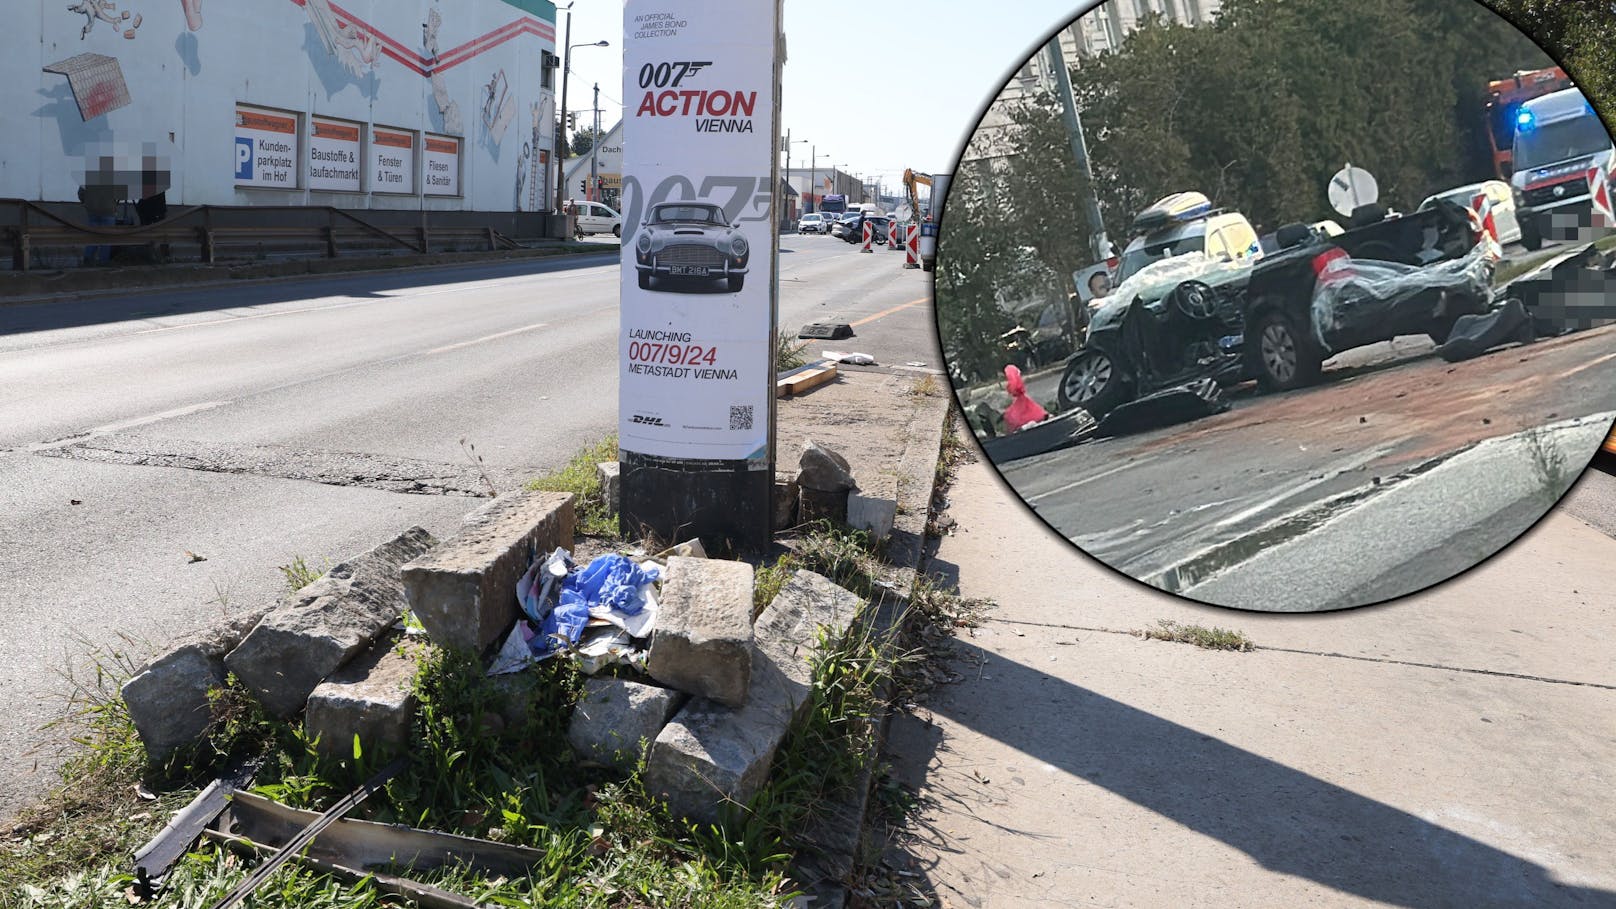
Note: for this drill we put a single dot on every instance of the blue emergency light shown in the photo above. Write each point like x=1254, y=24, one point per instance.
x=1524, y=121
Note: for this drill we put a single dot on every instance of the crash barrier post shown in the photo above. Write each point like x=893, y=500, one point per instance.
x=869, y=235
x=911, y=245
x=1599, y=196
x=1481, y=211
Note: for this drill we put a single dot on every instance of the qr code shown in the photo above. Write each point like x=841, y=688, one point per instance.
x=740, y=416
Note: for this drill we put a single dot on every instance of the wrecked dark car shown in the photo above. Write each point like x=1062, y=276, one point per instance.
x=1278, y=319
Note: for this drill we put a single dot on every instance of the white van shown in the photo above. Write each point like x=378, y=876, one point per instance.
x=1558, y=137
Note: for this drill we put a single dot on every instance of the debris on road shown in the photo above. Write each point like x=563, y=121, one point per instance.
x=1181, y=404
x=1473, y=335
x=1053, y=434
x=804, y=379
x=856, y=359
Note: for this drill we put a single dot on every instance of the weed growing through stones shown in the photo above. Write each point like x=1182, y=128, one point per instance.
x=579, y=477
x=1198, y=635
x=477, y=461
x=1549, y=466
x=926, y=386
x=299, y=574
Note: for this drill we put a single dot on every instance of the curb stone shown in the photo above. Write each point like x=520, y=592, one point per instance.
x=832, y=840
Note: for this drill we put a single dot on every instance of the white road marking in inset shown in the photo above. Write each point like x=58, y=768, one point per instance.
x=1588, y=365
x=1099, y=476
x=1288, y=492
x=504, y=334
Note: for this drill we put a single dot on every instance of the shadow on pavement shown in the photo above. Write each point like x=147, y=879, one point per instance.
x=1286, y=820
x=23, y=317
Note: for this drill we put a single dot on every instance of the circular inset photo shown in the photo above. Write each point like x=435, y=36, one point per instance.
x=1285, y=306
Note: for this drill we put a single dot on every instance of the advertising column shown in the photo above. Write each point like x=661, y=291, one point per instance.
x=696, y=350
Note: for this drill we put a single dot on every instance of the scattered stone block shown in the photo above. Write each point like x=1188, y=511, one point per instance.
x=610, y=474
x=703, y=638
x=786, y=491
x=168, y=699
x=871, y=514
x=324, y=625
x=823, y=469
x=709, y=753
x=464, y=591
x=372, y=697
x=615, y=715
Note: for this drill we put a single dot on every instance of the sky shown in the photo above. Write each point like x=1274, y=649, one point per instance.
x=875, y=87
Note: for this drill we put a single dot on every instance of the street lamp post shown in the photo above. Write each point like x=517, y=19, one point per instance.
x=813, y=170
x=561, y=131
x=790, y=142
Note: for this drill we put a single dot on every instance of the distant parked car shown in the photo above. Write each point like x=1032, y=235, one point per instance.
x=690, y=240
x=838, y=227
x=595, y=218
x=1509, y=229
x=812, y=223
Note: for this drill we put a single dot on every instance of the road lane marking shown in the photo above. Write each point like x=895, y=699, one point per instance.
x=887, y=312
x=504, y=334
x=121, y=425
x=1352, y=463
x=261, y=315
x=1588, y=365
x=1076, y=483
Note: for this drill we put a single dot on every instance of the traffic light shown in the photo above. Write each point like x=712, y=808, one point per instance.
x=572, y=120
x=583, y=186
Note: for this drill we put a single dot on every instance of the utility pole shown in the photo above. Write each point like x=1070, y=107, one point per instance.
x=561, y=128
x=812, y=164
x=1080, y=150
x=594, y=149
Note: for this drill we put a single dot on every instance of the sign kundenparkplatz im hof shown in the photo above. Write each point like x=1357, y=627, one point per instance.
x=701, y=100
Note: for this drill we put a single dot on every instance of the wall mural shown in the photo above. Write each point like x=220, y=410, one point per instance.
x=105, y=11
x=448, y=108
x=96, y=81
x=531, y=169
x=354, y=47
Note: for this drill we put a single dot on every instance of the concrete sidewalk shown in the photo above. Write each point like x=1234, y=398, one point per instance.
x=1453, y=749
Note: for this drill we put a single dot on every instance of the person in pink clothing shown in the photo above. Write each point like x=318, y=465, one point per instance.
x=1022, y=410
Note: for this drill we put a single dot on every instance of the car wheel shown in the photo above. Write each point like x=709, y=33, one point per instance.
x=736, y=282
x=1093, y=382
x=1530, y=238
x=645, y=280
x=617, y=231
x=1285, y=357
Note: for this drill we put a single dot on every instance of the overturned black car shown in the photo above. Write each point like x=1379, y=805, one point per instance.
x=1277, y=319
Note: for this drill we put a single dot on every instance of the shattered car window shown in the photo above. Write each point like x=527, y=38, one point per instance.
x=1135, y=259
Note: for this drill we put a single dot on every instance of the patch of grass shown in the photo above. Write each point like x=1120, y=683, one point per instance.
x=789, y=353
x=926, y=386
x=848, y=557
x=578, y=476
x=1198, y=635
x=768, y=579
x=299, y=574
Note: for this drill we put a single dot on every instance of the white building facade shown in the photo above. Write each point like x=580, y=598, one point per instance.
x=379, y=104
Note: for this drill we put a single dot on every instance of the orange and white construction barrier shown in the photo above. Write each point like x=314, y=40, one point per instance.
x=911, y=246
x=869, y=236
x=1599, y=196
x=1481, y=212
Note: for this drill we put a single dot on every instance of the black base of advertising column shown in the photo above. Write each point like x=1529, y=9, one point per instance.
x=728, y=506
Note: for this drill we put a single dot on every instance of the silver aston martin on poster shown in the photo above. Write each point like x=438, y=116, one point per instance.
x=690, y=241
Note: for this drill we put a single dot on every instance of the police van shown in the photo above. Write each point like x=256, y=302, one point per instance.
x=1558, y=137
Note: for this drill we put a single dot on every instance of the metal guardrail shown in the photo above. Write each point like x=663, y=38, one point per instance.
x=216, y=231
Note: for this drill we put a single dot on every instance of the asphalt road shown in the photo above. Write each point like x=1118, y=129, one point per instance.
x=1267, y=506
x=253, y=424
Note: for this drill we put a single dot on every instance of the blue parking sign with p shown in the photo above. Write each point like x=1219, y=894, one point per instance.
x=244, y=158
